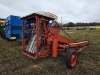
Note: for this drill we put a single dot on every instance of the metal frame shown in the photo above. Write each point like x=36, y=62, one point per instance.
x=51, y=37
x=37, y=35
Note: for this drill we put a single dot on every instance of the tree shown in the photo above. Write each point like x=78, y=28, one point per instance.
x=70, y=24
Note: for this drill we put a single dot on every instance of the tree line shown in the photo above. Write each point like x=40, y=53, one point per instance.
x=71, y=24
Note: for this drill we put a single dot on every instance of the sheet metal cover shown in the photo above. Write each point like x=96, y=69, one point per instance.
x=42, y=13
x=47, y=14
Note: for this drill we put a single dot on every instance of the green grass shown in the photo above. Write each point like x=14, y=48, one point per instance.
x=13, y=62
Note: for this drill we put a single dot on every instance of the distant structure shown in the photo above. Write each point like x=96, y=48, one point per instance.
x=2, y=24
x=2, y=21
x=83, y=27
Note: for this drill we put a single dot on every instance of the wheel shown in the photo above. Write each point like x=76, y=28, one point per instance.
x=3, y=35
x=71, y=59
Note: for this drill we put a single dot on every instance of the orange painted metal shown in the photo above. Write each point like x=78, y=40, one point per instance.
x=33, y=57
x=37, y=36
x=55, y=47
x=64, y=40
x=54, y=30
x=62, y=46
x=81, y=49
x=43, y=54
x=23, y=43
x=38, y=30
x=73, y=59
x=79, y=44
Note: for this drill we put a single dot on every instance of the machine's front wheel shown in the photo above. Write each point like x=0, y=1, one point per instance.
x=71, y=59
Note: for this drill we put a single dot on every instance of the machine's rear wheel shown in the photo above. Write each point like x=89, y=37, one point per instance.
x=71, y=59
x=3, y=35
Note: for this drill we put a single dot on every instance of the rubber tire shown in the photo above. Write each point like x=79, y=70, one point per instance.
x=68, y=59
x=3, y=35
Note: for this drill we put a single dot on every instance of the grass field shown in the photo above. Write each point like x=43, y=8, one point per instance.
x=13, y=62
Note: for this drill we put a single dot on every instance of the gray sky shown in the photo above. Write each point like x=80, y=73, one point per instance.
x=69, y=10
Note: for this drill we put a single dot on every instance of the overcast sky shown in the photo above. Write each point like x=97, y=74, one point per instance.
x=69, y=10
